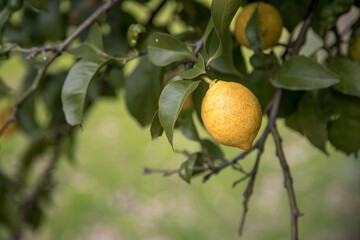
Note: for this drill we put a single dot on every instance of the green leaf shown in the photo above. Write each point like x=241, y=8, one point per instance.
x=171, y=101
x=75, y=87
x=164, y=49
x=349, y=72
x=222, y=12
x=291, y=11
x=4, y=89
x=302, y=73
x=84, y=50
x=187, y=125
x=252, y=32
x=311, y=121
x=186, y=170
x=39, y=4
x=212, y=150
x=156, y=129
x=142, y=89
x=327, y=13
x=207, y=35
x=225, y=62
x=260, y=86
x=197, y=70
x=344, y=134
x=95, y=37
x=133, y=33
x=262, y=61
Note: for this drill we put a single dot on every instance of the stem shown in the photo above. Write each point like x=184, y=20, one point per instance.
x=288, y=184
x=207, y=80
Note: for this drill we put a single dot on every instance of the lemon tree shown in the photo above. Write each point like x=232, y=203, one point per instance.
x=244, y=65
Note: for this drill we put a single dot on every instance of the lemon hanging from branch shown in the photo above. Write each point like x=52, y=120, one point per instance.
x=231, y=114
x=270, y=24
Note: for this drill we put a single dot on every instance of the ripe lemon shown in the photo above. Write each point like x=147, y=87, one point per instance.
x=354, y=48
x=270, y=24
x=231, y=114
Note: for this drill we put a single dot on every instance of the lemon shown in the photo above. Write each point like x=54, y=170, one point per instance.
x=231, y=114
x=354, y=48
x=270, y=24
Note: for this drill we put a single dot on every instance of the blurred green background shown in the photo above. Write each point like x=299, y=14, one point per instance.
x=104, y=196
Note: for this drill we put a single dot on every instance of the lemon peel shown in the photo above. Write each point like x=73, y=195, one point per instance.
x=270, y=24
x=231, y=114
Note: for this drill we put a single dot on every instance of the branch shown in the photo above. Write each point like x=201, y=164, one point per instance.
x=165, y=172
x=249, y=190
x=28, y=205
x=58, y=48
x=295, y=46
x=288, y=183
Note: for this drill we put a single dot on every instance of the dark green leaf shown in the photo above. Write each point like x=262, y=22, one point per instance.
x=253, y=33
x=224, y=63
x=349, y=72
x=327, y=13
x=311, y=121
x=344, y=134
x=164, y=49
x=302, y=73
x=76, y=85
x=197, y=70
x=39, y=4
x=262, y=61
x=4, y=89
x=171, y=101
x=95, y=37
x=133, y=33
x=212, y=150
x=207, y=35
x=222, y=12
x=198, y=96
x=291, y=11
x=85, y=50
x=143, y=88
x=187, y=125
x=186, y=170
x=260, y=86
x=117, y=78
x=156, y=129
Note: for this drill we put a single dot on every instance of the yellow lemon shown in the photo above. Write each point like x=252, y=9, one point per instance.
x=231, y=114
x=270, y=24
x=354, y=48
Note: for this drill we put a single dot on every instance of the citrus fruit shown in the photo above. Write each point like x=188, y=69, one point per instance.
x=270, y=24
x=354, y=48
x=231, y=114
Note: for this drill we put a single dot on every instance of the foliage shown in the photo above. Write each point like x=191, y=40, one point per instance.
x=316, y=93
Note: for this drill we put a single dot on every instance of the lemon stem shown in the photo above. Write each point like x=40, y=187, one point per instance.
x=206, y=79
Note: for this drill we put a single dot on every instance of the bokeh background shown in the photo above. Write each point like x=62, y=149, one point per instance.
x=104, y=196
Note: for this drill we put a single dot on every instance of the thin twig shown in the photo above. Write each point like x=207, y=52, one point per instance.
x=58, y=48
x=288, y=183
x=249, y=190
x=165, y=172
